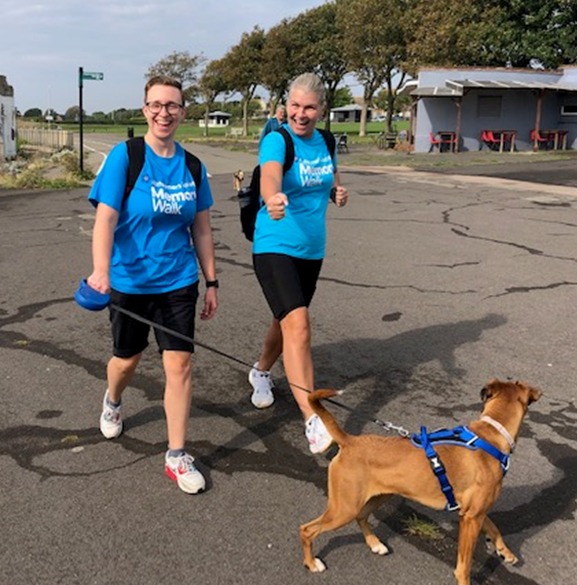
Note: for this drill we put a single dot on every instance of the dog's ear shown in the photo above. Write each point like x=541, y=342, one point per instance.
x=534, y=395
x=489, y=389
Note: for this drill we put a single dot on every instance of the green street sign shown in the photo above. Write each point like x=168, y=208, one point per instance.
x=93, y=76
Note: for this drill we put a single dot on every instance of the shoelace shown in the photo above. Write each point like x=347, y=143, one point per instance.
x=186, y=464
x=112, y=414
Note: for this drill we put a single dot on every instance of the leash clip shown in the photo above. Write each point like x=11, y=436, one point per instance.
x=389, y=427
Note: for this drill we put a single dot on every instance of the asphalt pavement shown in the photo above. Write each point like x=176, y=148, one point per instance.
x=433, y=284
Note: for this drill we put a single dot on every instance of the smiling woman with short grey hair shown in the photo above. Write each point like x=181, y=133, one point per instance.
x=289, y=245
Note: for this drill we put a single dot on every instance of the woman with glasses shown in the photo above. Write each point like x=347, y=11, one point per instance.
x=146, y=249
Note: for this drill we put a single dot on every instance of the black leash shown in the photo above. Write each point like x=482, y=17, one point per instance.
x=387, y=426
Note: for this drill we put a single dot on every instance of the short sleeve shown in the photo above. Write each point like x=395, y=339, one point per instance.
x=110, y=182
x=272, y=149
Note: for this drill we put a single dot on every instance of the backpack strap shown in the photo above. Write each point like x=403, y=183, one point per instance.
x=136, y=148
x=289, y=156
x=194, y=166
x=328, y=137
x=329, y=140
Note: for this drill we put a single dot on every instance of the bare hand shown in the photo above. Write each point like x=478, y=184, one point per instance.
x=341, y=196
x=276, y=205
x=100, y=282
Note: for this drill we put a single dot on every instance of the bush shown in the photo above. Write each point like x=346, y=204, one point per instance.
x=71, y=165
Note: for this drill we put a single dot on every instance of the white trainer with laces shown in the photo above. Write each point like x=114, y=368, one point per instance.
x=260, y=380
x=110, y=419
x=317, y=435
x=183, y=471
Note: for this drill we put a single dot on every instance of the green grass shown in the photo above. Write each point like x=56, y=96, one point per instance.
x=415, y=526
x=34, y=179
x=190, y=130
x=363, y=151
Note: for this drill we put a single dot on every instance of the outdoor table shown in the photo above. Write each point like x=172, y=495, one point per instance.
x=506, y=136
x=448, y=137
x=498, y=138
x=559, y=138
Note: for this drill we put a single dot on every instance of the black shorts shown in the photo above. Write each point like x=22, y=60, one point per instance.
x=174, y=310
x=287, y=282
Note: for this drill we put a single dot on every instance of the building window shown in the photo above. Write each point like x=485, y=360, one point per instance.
x=569, y=110
x=489, y=106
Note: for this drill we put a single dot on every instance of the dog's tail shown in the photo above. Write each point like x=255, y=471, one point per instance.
x=339, y=436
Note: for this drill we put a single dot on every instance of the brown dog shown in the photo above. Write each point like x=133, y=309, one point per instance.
x=237, y=179
x=368, y=469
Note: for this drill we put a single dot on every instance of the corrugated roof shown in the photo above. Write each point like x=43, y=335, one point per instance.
x=461, y=84
x=457, y=87
x=434, y=91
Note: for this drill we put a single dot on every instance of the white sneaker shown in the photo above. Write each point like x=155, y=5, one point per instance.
x=110, y=419
x=182, y=470
x=262, y=396
x=317, y=435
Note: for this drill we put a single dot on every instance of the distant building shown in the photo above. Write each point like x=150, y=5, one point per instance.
x=350, y=113
x=216, y=120
x=7, y=120
x=505, y=108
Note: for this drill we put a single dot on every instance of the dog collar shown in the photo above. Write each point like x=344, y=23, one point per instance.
x=497, y=425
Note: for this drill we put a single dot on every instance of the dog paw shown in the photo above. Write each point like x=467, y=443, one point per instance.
x=318, y=566
x=508, y=557
x=490, y=546
x=380, y=549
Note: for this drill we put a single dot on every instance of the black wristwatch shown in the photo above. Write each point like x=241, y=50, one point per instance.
x=213, y=283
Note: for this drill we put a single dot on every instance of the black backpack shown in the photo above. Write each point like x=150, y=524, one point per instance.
x=136, y=149
x=249, y=197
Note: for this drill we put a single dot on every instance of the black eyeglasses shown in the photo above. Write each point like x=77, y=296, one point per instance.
x=171, y=107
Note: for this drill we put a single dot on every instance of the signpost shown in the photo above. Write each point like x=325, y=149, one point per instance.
x=93, y=76
x=89, y=76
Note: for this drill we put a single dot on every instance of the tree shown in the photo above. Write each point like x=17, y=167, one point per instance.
x=121, y=115
x=99, y=116
x=538, y=31
x=73, y=114
x=33, y=113
x=318, y=42
x=279, y=62
x=375, y=44
x=242, y=69
x=491, y=33
x=343, y=97
x=210, y=86
x=180, y=65
x=456, y=32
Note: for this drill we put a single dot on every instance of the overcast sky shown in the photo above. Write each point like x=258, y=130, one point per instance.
x=43, y=43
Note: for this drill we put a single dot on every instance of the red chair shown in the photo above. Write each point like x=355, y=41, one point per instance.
x=488, y=138
x=539, y=140
x=435, y=140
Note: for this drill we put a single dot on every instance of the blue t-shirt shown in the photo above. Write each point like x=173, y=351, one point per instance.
x=153, y=250
x=271, y=125
x=307, y=185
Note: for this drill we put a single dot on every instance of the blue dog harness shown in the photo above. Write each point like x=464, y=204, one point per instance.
x=463, y=437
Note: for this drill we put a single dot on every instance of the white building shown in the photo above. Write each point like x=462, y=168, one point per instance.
x=7, y=120
x=216, y=120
